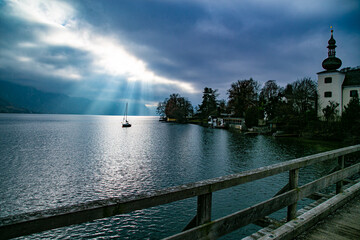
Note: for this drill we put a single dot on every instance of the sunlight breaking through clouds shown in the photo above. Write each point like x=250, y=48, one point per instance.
x=109, y=57
x=145, y=50
x=52, y=13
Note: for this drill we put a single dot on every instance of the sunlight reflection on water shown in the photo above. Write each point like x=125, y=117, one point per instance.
x=56, y=160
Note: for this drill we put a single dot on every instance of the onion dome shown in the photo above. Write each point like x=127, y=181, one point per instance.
x=331, y=63
x=331, y=40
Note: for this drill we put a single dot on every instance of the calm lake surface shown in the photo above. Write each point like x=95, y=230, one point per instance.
x=47, y=161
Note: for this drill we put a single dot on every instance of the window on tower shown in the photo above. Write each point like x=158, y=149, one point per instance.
x=354, y=93
x=328, y=80
x=327, y=94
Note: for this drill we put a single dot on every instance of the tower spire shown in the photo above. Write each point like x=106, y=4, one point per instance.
x=331, y=63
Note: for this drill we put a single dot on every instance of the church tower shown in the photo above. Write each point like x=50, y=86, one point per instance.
x=330, y=81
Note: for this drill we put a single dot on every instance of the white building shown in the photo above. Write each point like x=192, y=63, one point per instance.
x=336, y=86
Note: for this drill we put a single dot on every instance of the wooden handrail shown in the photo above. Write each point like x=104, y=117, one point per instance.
x=224, y=225
x=28, y=223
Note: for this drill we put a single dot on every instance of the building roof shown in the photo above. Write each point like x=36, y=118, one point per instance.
x=352, y=76
x=332, y=71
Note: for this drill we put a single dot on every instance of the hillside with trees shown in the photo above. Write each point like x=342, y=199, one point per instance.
x=6, y=107
x=293, y=109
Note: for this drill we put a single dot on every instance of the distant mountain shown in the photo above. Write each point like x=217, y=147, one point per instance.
x=6, y=107
x=33, y=100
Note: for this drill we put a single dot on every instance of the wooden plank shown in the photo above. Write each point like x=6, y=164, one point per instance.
x=348, y=181
x=244, y=217
x=284, y=189
x=339, y=185
x=320, y=234
x=267, y=221
x=344, y=222
x=191, y=224
x=292, y=229
x=203, y=214
x=24, y=224
x=317, y=196
x=204, y=209
x=348, y=221
x=293, y=184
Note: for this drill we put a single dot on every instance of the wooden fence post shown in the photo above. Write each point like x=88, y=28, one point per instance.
x=293, y=183
x=339, y=185
x=204, y=209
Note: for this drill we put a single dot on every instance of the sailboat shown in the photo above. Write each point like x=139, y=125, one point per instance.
x=125, y=121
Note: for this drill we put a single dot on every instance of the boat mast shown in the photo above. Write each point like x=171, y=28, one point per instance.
x=126, y=112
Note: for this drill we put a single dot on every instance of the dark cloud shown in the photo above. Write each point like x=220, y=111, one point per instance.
x=263, y=39
x=205, y=43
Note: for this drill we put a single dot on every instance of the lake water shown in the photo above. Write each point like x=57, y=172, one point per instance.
x=47, y=161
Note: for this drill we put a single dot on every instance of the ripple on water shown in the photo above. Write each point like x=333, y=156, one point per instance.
x=57, y=160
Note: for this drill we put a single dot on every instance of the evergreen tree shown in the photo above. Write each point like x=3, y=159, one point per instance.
x=350, y=121
x=330, y=111
x=270, y=98
x=209, y=103
x=351, y=114
x=222, y=107
x=252, y=116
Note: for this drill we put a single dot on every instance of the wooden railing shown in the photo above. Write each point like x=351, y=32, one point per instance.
x=201, y=227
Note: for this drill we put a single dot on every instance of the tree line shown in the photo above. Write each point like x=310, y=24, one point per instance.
x=293, y=107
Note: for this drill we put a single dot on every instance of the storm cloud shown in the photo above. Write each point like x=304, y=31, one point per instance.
x=145, y=50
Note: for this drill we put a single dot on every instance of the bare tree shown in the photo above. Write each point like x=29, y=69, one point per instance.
x=302, y=94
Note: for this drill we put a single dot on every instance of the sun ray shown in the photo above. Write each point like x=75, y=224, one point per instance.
x=109, y=56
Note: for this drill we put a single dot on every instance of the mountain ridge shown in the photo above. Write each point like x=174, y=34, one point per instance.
x=31, y=100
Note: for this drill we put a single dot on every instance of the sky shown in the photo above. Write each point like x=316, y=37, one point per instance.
x=144, y=50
